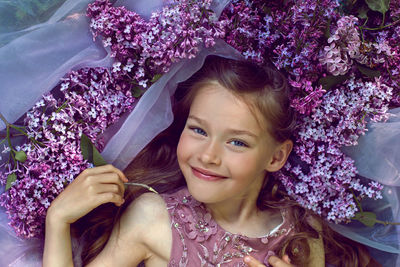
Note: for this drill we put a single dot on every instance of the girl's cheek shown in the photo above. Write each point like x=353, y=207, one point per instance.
x=183, y=146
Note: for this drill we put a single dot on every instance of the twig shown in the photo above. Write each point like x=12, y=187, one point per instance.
x=386, y=222
x=142, y=185
x=381, y=27
x=357, y=202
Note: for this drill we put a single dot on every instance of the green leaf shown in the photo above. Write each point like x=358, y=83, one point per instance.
x=378, y=5
x=329, y=81
x=367, y=218
x=20, y=156
x=368, y=72
x=137, y=91
x=362, y=12
x=156, y=78
x=86, y=148
x=90, y=153
x=10, y=179
x=98, y=160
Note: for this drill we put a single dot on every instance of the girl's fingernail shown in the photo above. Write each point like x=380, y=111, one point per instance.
x=247, y=259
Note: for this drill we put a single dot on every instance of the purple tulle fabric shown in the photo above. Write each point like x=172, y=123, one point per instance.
x=34, y=59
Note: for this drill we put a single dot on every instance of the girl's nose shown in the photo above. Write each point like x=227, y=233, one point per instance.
x=211, y=154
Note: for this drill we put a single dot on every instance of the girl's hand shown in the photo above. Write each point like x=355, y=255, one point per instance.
x=93, y=187
x=273, y=260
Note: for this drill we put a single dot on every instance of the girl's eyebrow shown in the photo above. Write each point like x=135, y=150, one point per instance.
x=243, y=132
x=233, y=131
x=201, y=121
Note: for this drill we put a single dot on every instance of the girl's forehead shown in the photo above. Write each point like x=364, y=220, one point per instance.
x=216, y=102
x=214, y=93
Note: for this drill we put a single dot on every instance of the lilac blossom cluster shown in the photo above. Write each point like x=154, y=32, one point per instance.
x=290, y=36
x=338, y=121
x=345, y=45
x=143, y=49
x=243, y=29
x=92, y=100
x=354, y=45
x=395, y=9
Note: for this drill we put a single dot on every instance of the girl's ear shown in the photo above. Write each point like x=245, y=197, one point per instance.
x=280, y=156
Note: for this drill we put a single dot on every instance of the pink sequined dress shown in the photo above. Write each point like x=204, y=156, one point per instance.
x=197, y=240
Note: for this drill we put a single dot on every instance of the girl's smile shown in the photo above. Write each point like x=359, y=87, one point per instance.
x=207, y=175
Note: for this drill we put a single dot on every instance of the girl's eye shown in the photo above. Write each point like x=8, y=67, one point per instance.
x=238, y=143
x=198, y=130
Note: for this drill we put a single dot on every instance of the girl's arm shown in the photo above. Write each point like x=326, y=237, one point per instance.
x=57, y=245
x=89, y=190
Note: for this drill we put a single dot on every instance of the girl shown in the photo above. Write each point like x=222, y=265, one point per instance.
x=219, y=203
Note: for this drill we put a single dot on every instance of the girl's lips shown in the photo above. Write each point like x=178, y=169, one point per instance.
x=206, y=175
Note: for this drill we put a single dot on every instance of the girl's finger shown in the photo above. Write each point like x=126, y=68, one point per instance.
x=106, y=178
x=286, y=259
x=109, y=197
x=252, y=262
x=105, y=169
x=108, y=188
x=277, y=262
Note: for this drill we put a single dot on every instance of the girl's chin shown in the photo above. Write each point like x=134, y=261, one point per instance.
x=204, y=192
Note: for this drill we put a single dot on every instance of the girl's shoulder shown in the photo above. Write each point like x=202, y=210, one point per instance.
x=144, y=226
x=147, y=207
x=148, y=215
x=142, y=234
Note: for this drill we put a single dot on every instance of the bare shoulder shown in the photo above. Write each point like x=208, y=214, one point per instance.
x=142, y=234
x=149, y=208
x=147, y=219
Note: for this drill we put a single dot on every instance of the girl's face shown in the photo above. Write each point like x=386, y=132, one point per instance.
x=223, y=151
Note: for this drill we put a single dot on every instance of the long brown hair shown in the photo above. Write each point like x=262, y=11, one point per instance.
x=265, y=90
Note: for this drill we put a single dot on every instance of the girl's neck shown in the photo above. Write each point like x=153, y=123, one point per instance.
x=234, y=211
x=242, y=216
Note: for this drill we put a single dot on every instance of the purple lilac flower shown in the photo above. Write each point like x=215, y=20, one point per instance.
x=145, y=48
x=338, y=121
x=90, y=98
x=395, y=9
x=307, y=104
x=344, y=45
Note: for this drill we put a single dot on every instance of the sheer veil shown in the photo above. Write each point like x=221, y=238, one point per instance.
x=35, y=58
